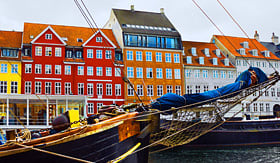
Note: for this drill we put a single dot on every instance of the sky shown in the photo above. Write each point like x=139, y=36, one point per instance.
x=252, y=15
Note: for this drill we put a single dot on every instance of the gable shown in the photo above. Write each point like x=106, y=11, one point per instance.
x=94, y=40
x=48, y=36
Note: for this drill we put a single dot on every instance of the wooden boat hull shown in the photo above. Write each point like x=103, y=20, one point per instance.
x=102, y=146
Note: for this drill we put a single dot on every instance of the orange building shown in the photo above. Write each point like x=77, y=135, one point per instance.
x=152, y=53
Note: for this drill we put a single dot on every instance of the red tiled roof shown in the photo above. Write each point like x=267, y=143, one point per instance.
x=70, y=32
x=235, y=43
x=10, y=39
x=200, y=46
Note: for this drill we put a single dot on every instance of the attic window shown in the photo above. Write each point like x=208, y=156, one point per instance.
x=31, y=36
x=193, y=51
x=98, y=39
x=48, y=36
x=189, y=59
x=201, y=60
x=206, y=52
x=245, y=44
x=242, y=51
x=218, y=52
x=266, y=53
x=79, y=40
x=215, y=61
x=226, y=62
x=64, y=38
x=254, y=52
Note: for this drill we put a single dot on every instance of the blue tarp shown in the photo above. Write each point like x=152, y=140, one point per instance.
x=242, y=81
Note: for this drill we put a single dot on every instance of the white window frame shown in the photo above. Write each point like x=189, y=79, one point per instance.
x=177, y=73
x=99, y=54
x=38, y=51
x=48, y=69
x=81, y=89
x=176, y=58
x=67, y=86
x=38, y=87
x=28, y=68
x=99, y=89
x=90, y=89
x=149, y=56
x=58, y=69
x=80, y=70
x=67, y=69
x=89, y=53
x=99, y=71
x=38, y=69
x=28, y=88
x=168, y=57
x=108, y=71
x=90, y=108
x=139, y=56
x=58, y=52
x=57, y=88
x=48, y=88
x=158, y=57
x=109, y=89
x=118, y=89
x=48, y=51
x=90, y=71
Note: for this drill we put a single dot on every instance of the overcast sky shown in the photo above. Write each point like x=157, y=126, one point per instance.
x=260, y=15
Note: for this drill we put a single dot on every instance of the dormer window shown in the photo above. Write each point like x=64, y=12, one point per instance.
x=68, y=54
x=215, y=61
x=79, y=40
x=48, y=36
x=193, y=51
x=98, y=39
x=242, y=51
x=206, y=52
x=254, y=52
x=245, y=44
x=226, y=62
x=218, y=53
x=189, y=59
x=266, y=53
x=79, y=54
x=201, y=60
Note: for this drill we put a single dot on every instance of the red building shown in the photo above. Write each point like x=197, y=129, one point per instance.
x=73, y=61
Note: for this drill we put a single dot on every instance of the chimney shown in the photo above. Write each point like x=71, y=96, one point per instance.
x=162, y=10
x=256, y=36
x=132, y=8
x=274, y=39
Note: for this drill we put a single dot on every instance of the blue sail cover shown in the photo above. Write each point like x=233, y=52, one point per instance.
x=242, y=81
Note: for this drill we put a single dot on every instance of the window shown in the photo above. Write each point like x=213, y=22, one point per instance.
x=89, y=53
x=48, y=36
x=14, y=87
x=38, y=87
x=99, y=88
x=216, y=86
x=28, y=69
x=27, y=87
x=176, y=58
x=68, y=89
x=38, y=68
x=267, y=107
x=206, y=52
x=58, y=52
x=90, y=89
x=151, y=41
x=245, y=44
x=67, y=70
x=206, y=88
x=159, y=73
x=193, y=51
x=57, y=88
x=108, y=54
x=168, y=73
x=215, y=61
x=10, y=52
x=3, y=86
x=130, y=72
x=238, y=62
x=129, y=55
x=278, y=92
x=4, y=68
x=196, y=73
x=223, y=74
x=109, y=89
x=255, y=107
x=149, y=72
x=98, y=39
x=99, y=71
x=197, y=89
x=48, y=87
x=58, y=69
x=244, y=62
x=117, y=72
x=139, y=72
x=273, y=92
x=130, y=91
x=264, y=64
x=108, y=71
x=169, y=89
x=80, y=88
x=148, y=56
x=90, y=70
x=79, y=54
x=150, y=90
x=177, y=73
x=80, y=70
x=48, y=51
x=189, y=89
x=48, y=69
x=38, y=51
x=201, y=60
x=230, y=74
x=189, y=59
x=90, y=108
x=159, y=90
x=167, y=57
x=226, y=62
x=158, y=57
x=266, y=53
x=69, y=54
x=99, y=54
x=118, y=91
x=178, y=89
x=215, y=74
x=218, y=52
x=205, y=73
x=14, y=68
x=188, y=73
x=254, y=52
x=139, y=56
x=140, y=91
x=242, y=51
x=261, y=107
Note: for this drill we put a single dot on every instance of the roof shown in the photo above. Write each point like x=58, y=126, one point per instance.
x=72, y=33
x=235, y=43
x=10, y=39
x=200, y=47
x=146, y=19
x=272, y=47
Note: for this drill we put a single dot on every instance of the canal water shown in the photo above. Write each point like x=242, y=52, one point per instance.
x=234, y=155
